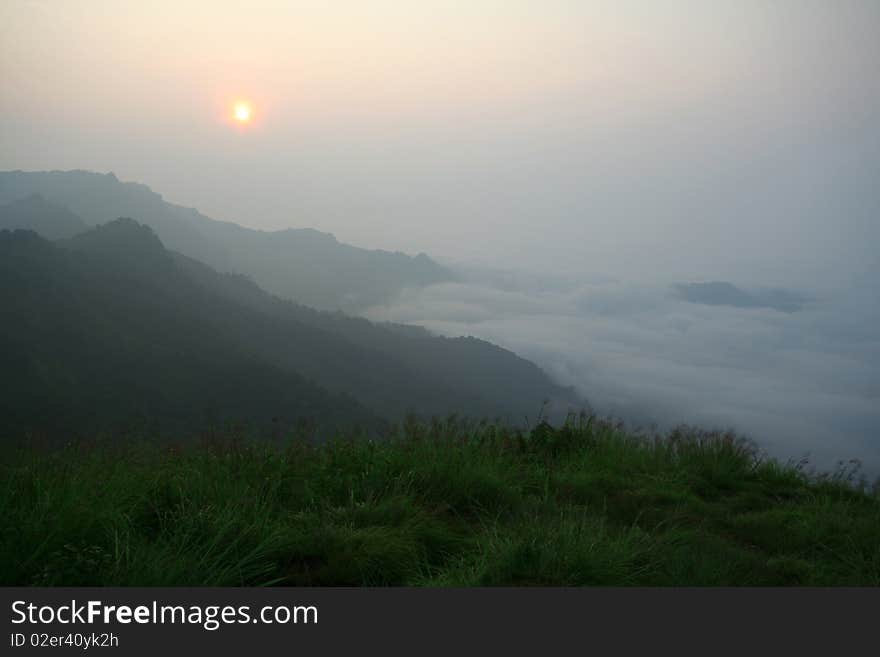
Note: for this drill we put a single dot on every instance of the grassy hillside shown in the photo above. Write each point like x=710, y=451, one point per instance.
x=443, y=504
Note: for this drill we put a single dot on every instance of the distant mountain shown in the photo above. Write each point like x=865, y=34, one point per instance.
x=110, y=327
x=720, y=293
x=36, y=213
x=304, y=265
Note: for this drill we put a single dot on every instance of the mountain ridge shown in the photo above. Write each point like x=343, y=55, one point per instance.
x=37, y=213
x=301, y=264
x=138, y=329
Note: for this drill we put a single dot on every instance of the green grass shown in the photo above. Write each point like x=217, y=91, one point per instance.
x=442, y=504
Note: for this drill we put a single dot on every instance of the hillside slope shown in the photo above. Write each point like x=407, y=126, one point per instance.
x=476, y=370
x=97, y=343
x=300, y=264
x=36, y=213
x=111, y=314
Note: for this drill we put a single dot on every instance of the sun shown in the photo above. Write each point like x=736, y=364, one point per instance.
x=242, y=112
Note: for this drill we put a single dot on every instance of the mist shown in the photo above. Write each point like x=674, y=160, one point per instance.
x=600, y=153
x=665, y=140
x=801, y=385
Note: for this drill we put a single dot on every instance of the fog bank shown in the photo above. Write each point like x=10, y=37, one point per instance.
x=799, y=383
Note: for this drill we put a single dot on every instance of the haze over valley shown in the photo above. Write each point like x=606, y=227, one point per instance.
x=669, y=208
x=794, y=370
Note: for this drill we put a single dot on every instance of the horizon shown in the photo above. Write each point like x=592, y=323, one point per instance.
x=677, y=141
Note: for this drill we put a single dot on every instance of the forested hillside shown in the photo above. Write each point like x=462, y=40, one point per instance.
x=109, y=328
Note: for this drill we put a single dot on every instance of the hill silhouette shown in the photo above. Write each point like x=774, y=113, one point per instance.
x=305, y=265
x=36, y=213
x=722, y=293
x=109, y=327
x=92, y=343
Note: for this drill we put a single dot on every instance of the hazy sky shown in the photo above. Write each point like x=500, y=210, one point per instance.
x=617, y=146
x=677, y=140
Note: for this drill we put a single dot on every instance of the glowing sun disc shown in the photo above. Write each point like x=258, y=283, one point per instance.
x=242, y=112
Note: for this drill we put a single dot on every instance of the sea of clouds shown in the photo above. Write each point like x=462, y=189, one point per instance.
x=800, y=384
